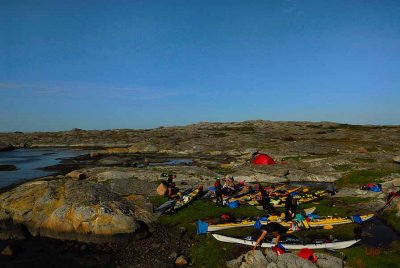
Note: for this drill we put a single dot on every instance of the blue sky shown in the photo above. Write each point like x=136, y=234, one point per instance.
x=142, y=64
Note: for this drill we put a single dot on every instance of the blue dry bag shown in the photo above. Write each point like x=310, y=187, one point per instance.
x=202, y=227
x=375, y=188
x=257, y=224
x=356, y=219
x=234, y=204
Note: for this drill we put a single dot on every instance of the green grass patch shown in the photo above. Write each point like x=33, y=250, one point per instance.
x=247, y=129
x=315, y=126
x=158, y=200
x=355, y=200
x=343, y=206
x=372, y=149
x=365, y=160
x=391, y=218
x=344, y=167
x=361, y=177
x=339, y=141
x=362, y=256
x=326, y=207
x=208, y=252
x=326, y=154
x=299, y=157
x=294, y=158
x=390, y=148
x=218, y=135
x=222, y=171
x=355, y=127
x=240, y=129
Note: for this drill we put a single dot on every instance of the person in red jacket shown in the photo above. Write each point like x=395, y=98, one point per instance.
x=218, y=192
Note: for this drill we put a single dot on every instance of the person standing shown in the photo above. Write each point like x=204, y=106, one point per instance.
x=265, y=200
x=218, y=192
x=170, y=185
x=290, y=207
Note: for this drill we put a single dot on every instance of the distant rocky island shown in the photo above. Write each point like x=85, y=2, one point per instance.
x=319, y=147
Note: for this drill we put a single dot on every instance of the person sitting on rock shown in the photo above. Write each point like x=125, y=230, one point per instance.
x=218, y=192
x=274, y=228
x=265, y=200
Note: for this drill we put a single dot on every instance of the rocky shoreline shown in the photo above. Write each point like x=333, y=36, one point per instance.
x=159, y=248
x=6, y=147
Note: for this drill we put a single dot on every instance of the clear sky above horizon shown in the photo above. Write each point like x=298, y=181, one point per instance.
x=141, y=64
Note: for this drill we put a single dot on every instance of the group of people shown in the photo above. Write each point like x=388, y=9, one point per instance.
x=222, y=187
x=273, y=227
x=229, y=186
x=290, y=203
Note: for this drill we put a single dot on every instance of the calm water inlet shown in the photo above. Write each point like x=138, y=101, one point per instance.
x=29, y=162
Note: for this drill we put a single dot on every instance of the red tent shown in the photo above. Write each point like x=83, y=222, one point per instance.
x=263, y=159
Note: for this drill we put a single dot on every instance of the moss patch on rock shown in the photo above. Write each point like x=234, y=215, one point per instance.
x=362, y=177
x=365, y=160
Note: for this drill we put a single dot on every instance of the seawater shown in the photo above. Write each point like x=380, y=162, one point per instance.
x=29, y=162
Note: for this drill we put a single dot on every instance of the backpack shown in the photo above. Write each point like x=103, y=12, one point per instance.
x=225, y=216
x=307, y=254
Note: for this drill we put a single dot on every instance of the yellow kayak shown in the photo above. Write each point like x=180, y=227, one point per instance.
x=252, y=199
x=186, y=199
x=321, y=222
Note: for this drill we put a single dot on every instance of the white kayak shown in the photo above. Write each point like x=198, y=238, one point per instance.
x=322, y=245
